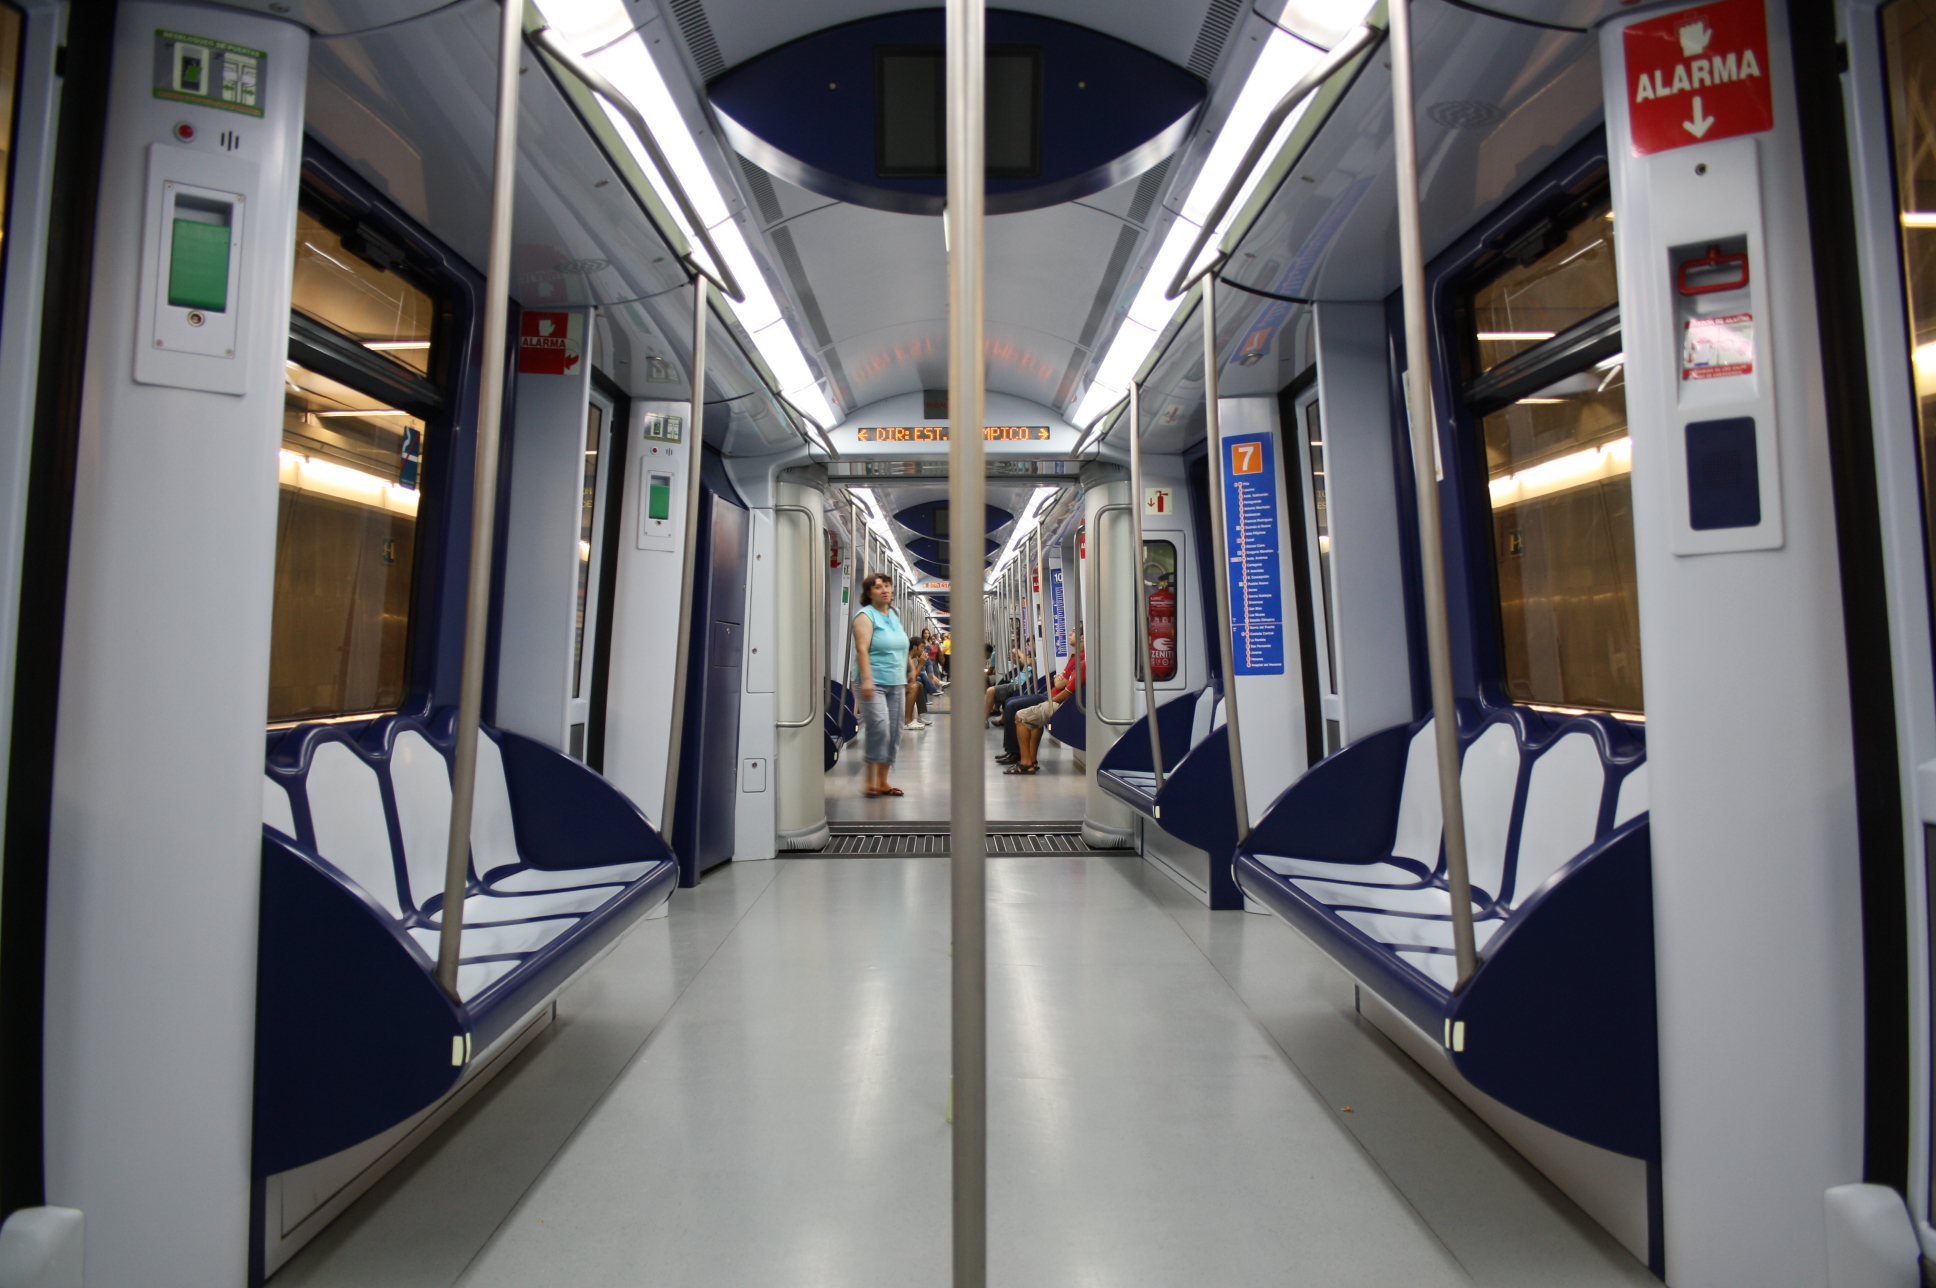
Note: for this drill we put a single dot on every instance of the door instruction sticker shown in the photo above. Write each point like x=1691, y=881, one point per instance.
x=1250, y=537
x=208, y=72
x=1721, y=346
x=1698, y=75
x=1058, y=614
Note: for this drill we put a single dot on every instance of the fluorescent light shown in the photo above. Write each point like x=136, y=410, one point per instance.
x=1279, y=64
x=326, y=478
x=1542, y=400
x=622, y=57
x=1609, y=460
x=1919, y=219
x=1031, y=517
x=1517, y=335
x=1283, y=59
x=389, y=346
x=365, y=411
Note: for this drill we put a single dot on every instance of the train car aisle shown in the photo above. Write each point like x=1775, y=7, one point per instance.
x=1055, y=793
x=753, y=1092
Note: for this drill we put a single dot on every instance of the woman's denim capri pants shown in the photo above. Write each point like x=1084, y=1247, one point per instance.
x=881, y=721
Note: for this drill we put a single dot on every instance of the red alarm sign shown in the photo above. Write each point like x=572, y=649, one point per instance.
x=1698, y=75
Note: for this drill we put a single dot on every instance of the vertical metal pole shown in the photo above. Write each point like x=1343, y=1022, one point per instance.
x=695, y=460
x=1431, y=536
x=490, y=416
x=1072, y=587
x=968, y=522
x=1145, y=663
x=850, y=608
x=1213, y=431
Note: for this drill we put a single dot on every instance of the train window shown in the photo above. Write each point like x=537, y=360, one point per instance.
x=1552, y=411
x=1320, y=521
x=1909, y=37
x=338, y=282
x=356, y=402
x=1562, y=278
x=345, y=546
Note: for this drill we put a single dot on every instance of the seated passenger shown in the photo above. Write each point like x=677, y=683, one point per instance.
x=1065, y=684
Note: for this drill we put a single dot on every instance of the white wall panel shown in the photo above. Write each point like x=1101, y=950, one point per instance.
x=1367, y=578
x=1753, y=821
x=541, y=556
x=156, y=843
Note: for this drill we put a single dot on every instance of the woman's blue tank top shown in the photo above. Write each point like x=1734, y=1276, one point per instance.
x=887, y=651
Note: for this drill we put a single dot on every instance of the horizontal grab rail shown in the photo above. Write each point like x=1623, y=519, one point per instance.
x=1360, y=39
x=719, y=273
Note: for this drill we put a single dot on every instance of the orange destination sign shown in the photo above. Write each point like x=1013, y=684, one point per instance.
x=1698, y=75
x=939, y=434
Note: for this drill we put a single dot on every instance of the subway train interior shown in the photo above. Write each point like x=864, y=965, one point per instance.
x=714, y=643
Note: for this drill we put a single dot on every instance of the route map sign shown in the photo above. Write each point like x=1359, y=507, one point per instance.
x=1057, y=613
x=1698, y=75
x=1250, y=536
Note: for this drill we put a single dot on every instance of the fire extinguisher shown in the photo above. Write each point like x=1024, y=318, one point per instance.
x=1162, y=630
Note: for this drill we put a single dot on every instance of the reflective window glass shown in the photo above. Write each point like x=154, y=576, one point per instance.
x=1909, y=36
x=587, y=510
x=1321, y=527
x=1563, y=277
x=1560, y=474
x=336, y=286
x=345, y=550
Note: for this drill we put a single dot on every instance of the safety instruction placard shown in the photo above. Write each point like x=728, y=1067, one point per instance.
x=1698, y=75
x=1721, y=346
x=208, y=72
x=1250, y=534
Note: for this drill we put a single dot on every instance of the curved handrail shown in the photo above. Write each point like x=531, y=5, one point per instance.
x=816, y=628
x=1098, y=579
x=720, y=273
x=1360, y=39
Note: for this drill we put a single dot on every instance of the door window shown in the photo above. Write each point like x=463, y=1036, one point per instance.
x=1548, y=389
x=357, y=409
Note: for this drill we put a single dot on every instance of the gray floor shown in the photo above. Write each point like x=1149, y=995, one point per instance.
x=1055, y=793
x=753, y=1092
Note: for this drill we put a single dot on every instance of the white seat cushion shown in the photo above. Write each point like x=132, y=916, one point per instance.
x=276, y=810
x=1562, y=811
x=498, y=941
x=1489, y=784
x=481, y=909
x=1419, y=819
x=346, y=809
x=475, y=978
x=1633, y=796
x=420, y=777
x=526, y=880
x=1426, y=901
x=1384, y=874
x=1421, y=932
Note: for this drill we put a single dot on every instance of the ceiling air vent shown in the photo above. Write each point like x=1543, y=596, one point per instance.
x=698, y=31
x=1216, y=30
x=1148, y=189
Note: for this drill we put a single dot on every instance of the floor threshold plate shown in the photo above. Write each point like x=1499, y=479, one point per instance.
x=932, y=840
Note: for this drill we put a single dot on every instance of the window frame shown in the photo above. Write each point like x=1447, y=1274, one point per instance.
x=443, y=400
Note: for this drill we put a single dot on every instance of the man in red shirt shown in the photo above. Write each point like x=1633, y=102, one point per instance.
x=1025, y=721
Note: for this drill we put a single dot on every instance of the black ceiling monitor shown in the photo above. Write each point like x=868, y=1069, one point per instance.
x=911, y=111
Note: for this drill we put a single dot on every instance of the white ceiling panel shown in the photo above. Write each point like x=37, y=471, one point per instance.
x=742, y=29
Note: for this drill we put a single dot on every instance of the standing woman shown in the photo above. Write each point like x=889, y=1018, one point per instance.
x=881, y=650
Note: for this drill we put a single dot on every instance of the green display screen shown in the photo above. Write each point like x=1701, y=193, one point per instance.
x=658, y=504
x=198, y=266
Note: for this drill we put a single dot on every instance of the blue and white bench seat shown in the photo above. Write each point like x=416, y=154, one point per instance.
x=354, y=1035
x=1196, y=804
x=1558, y=1023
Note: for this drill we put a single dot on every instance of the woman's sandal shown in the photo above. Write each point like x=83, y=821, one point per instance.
x=1022, y=769
x=885, y=791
